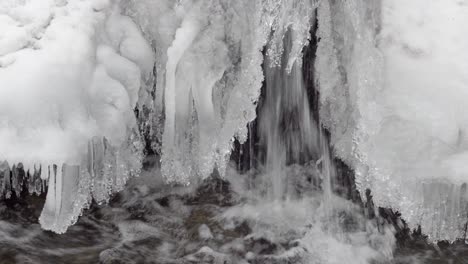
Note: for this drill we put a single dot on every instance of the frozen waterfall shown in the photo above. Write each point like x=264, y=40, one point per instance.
x=393, y=80
x=87, y=86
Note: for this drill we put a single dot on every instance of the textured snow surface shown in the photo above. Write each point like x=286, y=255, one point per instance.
x=394, y=84
x=70, y=74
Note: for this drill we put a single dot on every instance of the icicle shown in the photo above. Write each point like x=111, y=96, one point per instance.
x=5, y=186
x=47, y=218
x=177, y=104
x=97, y=148
x=30, y=181
x=18, y=178
x=67, y=195
x=38, y=179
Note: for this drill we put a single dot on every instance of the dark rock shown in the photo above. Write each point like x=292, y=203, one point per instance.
x=215, y=191
x=261, y=246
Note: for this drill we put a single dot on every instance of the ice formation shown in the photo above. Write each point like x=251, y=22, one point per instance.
x=392, y=76
x=88, y=66
x=209, y=75
x=393, y=84
x=70, y=75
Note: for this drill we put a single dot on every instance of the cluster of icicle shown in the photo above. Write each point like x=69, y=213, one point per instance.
x=72, y=188
x=70, y=75
x=393, y=94
x=208, y=73
x=192, y=68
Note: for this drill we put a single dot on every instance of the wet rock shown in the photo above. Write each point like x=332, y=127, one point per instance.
x=207, y=255
x=295, y=255
x=198, y=217
x=261, y=246
x=147, y=250
x=241, y=230
x=126, y=255
x=164, y=201
x=236, y=246
x=213, y=190
x=113, y=256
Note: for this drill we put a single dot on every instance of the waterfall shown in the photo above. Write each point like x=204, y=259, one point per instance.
x=287, y=129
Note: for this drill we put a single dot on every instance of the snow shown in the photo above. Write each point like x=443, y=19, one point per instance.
x=393, y=94
x=48, y=104
x=69, y=72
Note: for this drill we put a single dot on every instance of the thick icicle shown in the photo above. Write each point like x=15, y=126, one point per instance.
x=5, y=185
x=64, y=202
x=177, y=103
x=48, y=216
x=35, y=181
x=70, y=188
x=18, y=176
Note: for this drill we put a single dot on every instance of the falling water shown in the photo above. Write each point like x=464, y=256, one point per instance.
x=287, y=129
x=295, y=177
